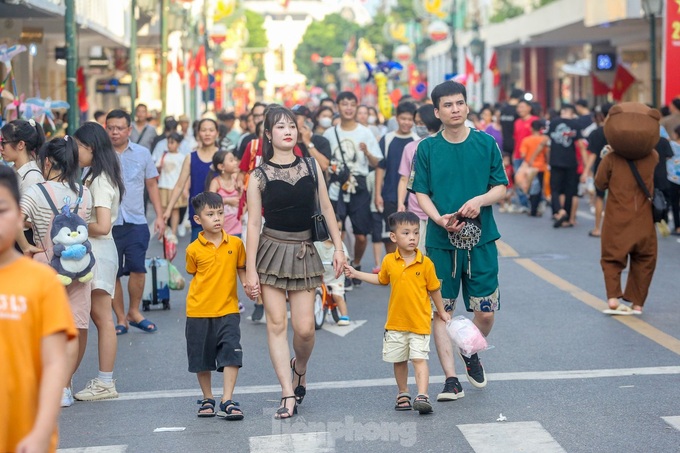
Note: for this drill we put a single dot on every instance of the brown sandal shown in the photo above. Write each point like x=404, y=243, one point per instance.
x=403, y=402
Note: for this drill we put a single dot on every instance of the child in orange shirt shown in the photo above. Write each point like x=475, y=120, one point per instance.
x=35, y=325
x=533, y=149
x=409, y=313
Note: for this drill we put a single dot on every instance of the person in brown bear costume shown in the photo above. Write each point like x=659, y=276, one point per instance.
x=632, y=131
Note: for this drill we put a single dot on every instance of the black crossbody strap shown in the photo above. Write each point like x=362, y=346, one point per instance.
x=315, y=177
x=342, y=153
x=638, y=178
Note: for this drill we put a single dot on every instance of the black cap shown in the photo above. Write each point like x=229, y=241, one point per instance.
x=582, y=103
x=301, y=110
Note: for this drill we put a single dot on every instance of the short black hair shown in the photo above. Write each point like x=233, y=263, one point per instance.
x=9, y=179
x=98, y=114
x=406, y=107
x=448, y=88
x=604, y=108
x=206, y=200
x=582, y=103
x=119, y=113
x=568, y=107
x=346, y=95
x=537, y=125
x=226, y=116
x=399, y=218
x=516, y=93
x=176, y=136
x=428, y=118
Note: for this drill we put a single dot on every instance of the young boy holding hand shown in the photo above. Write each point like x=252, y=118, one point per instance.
x=212, y=330
x=409, y=313
x=35, y=325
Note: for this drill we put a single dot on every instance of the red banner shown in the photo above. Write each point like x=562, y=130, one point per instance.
x=671, y=53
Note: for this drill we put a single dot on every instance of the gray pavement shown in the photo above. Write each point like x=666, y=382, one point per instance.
x=564, y=376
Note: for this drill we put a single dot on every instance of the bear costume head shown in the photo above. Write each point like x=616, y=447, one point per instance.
x=632, y=129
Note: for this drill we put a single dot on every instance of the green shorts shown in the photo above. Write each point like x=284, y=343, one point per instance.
x=478, y=275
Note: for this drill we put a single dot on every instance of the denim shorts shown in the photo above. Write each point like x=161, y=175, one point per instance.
x=131, y=240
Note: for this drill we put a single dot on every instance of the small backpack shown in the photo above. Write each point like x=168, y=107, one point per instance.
x=72, y=258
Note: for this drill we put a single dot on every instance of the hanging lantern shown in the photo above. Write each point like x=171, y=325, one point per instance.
x=438, y=31
x=218, y=34
x=403, y=53
x=229, y=56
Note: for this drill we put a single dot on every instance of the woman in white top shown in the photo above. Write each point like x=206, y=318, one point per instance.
x=58, y=160
x=20, y=140
x=104, y=179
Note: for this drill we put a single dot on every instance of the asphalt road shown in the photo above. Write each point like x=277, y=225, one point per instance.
x=562, y=376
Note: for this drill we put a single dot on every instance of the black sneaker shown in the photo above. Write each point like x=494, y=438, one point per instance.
x=257, y=313
x=356, y=281
x=348, y=284
x=452, y=390
x=474, y=370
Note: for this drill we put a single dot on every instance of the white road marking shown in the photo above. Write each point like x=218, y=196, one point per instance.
x=170, y=429
x=342, y=331
x=293, y=443
x=102, y=449
x=386, y=382
x=673, y=421
x=525, y=437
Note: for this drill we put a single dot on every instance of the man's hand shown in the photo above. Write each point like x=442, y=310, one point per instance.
x=306, y=134
x=450, y=223
x=379, y=204
x=471, y=208
x=159, y=226
x=401, y=207
x=363, y=148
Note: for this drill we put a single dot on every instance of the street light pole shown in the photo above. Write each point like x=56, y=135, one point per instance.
x=71, y=65
x=132, y=57
x=454, y=48
x=652, y=56
x=165, y=7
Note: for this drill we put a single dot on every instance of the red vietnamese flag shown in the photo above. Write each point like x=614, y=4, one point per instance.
x=201, y=66
x=493, y=67
x=191, y=68
x=599, y=87
x=623, y=79
x=469, y=68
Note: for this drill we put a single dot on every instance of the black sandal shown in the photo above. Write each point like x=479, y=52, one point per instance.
x=422, y=405
x=403, y=402
x=300, y=391
x=283, y=412
x=206, y=404
x=227, y=410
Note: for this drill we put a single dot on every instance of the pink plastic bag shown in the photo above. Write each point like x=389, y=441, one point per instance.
x=466, y=336
x=169, y=245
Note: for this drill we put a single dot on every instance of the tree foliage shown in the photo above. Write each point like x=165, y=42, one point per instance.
x=257, y=35
x=506, y=10
x=328, y=37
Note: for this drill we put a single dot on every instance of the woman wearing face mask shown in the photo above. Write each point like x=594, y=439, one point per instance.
x=323, y=119
x=374, y=123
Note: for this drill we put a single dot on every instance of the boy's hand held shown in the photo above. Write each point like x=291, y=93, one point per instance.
x=445, y=316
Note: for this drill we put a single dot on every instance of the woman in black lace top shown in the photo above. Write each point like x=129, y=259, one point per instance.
x=282, y=260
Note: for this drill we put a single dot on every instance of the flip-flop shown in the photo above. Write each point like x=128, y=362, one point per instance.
x=121, y=329
x=593, y=235
x=621, y=309
x=145, y=325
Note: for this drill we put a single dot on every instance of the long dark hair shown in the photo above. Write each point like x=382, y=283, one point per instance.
x=104, y=158
x=63, y=155
x=29, y=132
x=217, y=159
x=273, y=115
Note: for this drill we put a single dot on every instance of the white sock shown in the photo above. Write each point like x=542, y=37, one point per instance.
x=106, y=378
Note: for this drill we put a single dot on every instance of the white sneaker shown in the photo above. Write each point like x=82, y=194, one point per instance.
x=97, y=390
x=67, y=398
x=181, y=230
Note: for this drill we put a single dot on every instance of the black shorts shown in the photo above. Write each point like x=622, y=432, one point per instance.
x=358, y=209
x=213, y=343
x=131, y=240
x=389, y=208
x=378, y=229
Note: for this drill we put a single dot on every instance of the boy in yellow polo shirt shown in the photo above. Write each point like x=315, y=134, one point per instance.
x=212, y=330
x=409, y=313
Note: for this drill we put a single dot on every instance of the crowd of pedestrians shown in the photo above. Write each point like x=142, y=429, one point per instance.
x=251, y=197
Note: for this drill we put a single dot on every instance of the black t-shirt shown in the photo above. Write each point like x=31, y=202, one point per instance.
x=596, y=142
x=660, y=174
x=321, y=144
x=563, y=135
x=508, y=117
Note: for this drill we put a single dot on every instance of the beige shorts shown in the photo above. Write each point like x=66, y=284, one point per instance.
x=402, y=346
x=423, y=236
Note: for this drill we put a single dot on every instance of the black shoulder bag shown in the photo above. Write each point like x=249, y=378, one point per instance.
x=658, y=201
x=340, y=175
x=319, y=226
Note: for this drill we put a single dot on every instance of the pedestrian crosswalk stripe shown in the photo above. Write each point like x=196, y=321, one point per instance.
x=673, y=421
x=387, y=382
x=298, y=443
x=525, y=437
x=102, y=449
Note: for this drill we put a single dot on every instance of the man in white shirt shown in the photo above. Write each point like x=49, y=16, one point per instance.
x=352, y=146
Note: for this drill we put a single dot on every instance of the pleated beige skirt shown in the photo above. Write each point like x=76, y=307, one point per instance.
x=288, y=260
